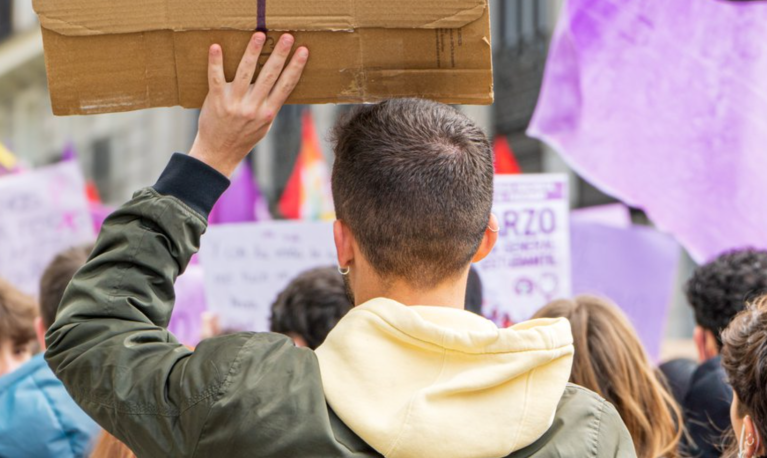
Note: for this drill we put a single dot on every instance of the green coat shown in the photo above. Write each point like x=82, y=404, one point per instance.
x=242, y=395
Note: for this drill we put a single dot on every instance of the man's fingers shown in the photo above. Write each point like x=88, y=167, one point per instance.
x=248, y=64
x=288, y=80
x=272, y=68
x=216, y=78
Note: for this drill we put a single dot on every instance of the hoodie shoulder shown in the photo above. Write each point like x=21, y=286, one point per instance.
x=585, y=425
x=49, y=415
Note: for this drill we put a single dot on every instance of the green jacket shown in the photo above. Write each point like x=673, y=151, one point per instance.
x=242, y=395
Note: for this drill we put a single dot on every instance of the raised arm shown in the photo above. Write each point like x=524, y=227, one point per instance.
x=109, y=343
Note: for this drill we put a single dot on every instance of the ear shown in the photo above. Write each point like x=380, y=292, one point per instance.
x=488, y=240
x=40, y=331
x=712, y=347
x=752, y=443
x=344, y=240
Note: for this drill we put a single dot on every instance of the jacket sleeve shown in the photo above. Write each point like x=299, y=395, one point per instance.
x=613, y=438
x=109, y=344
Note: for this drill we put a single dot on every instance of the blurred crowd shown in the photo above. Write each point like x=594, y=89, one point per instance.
x=681, y=408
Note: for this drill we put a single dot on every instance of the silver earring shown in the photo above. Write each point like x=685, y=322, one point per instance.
x=344, y=271
x=495, y=231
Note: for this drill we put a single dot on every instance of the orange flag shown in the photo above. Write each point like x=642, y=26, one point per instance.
x=307, y=194
x=505, y=161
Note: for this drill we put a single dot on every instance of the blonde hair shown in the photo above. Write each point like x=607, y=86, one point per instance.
x=610, y=360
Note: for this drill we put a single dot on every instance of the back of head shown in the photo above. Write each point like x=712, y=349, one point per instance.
x=744, y=358
x=56, y=278
x=720, y=289
x=610, y=360
x=311, y=305
x=17, y=315
x=413, y=179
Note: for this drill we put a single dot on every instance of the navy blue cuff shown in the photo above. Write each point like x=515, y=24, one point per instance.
x=193, y=182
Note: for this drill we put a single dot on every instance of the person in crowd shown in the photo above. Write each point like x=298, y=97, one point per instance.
x=310, y=306
x=611, y=361
x=401, y=374
x=109, y=447
x=744, y=359
x=717, y=291
x=17, y=330
x=678, y=373
x=44, y=421
x=474, y=292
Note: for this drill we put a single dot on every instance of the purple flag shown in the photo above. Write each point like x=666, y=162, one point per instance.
x=69, y=153
x=99, y=213
x=242, y=202
x=636, y=267
x=663, y=104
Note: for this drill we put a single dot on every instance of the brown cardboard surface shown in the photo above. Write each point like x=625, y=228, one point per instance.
x=127, y=55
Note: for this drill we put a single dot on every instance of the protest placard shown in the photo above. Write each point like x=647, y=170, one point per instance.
x=247, y=265
x=530, y=264
x=634, y=266
x=186, y=322
x=41, y=213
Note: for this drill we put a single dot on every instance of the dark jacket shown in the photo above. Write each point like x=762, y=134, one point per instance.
x=707, y=409
x=38, y=419
x=241, y=395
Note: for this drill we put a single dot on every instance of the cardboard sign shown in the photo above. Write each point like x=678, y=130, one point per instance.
x=247, y=265
x=41, y=213
x=530, y=264
x=119, y=55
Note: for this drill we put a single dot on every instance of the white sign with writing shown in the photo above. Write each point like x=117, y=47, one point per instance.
x=42, y=212
x=247, y=265
x=530, y=264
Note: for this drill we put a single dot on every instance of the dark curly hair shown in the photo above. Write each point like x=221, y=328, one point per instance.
x=311, y=305
x=720, y=289
x=744, y=358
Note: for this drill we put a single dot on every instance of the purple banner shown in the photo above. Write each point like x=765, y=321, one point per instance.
x=663, y=104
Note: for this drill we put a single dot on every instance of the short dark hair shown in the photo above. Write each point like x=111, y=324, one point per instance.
x=311, y=305
x=17, y=315
x=474, y=296
x=720, y=289
x=413, y=179
x=56, y=278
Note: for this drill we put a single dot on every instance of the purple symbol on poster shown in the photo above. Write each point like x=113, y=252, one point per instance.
x=524, y=287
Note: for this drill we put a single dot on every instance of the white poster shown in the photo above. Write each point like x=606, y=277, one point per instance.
x=530, y=264
x=42, y=212
x=247, y=265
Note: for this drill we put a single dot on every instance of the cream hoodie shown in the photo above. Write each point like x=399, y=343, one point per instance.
x=439, y=382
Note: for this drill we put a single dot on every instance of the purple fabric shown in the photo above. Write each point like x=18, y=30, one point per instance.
x=663, y=104
x=69, y=153
x=186, y=322
x=242, y=202
x=635, y=267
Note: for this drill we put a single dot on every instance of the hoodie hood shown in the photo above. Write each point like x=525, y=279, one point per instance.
x=426, y=381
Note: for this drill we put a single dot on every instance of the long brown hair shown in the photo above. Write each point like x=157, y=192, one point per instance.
x=610, y=360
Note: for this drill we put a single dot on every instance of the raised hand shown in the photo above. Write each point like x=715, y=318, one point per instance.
x=237, y=115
